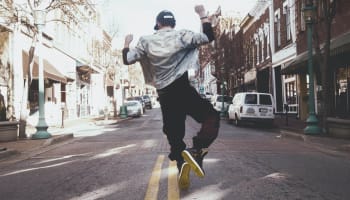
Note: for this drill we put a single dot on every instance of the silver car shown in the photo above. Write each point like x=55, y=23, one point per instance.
x=134, y=108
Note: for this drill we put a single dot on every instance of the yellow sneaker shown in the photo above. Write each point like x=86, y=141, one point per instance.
x=195, y=159
x=184, y=176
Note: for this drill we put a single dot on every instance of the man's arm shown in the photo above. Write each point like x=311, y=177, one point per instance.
x=126, y=49
x=125, y=55
x=208, y=31
x=206, y=24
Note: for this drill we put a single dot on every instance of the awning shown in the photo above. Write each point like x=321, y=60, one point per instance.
x=338, y=45
x=298, y=65
x=50, y=71
x=85, y=68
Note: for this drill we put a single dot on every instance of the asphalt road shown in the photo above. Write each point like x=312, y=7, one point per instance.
x=129, y=160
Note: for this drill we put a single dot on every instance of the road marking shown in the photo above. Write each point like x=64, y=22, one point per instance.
x=173, y=189
x=153, y=185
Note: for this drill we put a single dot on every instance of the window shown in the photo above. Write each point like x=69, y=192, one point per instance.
x=251, y=99
x=265, y=99
x=288, y=23
x=291, y=92
x=342, y=93
x=302, y=22
x=278, y=28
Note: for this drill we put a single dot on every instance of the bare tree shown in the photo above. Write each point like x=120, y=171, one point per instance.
x=323, y=24
x=15, y=14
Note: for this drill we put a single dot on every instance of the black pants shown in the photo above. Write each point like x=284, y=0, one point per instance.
x=178, y=100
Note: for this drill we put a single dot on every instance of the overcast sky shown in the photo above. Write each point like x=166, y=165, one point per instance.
x=138, y=16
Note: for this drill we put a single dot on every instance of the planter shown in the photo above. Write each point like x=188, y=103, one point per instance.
x=8, y=131
x=339, y=127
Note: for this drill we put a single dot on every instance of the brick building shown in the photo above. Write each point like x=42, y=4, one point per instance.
x=339, y=62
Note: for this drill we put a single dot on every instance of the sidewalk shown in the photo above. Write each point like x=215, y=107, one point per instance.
x=293, y=128
x=29, y=146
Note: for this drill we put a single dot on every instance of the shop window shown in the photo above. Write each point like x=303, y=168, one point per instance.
x=342, y=98
x=291, y=95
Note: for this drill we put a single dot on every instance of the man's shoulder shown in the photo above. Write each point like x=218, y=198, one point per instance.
x=146, y=38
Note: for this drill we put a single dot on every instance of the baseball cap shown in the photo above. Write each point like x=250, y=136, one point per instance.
x=165, y=18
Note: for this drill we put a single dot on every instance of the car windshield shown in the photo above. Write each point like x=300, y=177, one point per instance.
x=265, y=99
x=135, y=98
x=251, y=99
x=130, y=103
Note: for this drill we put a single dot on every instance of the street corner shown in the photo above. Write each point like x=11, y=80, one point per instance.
x=58, y=139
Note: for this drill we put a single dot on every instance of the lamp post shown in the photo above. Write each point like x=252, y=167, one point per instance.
x=41, y=128
x=222, y=86
x=312, y=127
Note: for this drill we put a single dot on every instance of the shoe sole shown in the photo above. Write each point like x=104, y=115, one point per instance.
x=192, y=162
x=184, y=177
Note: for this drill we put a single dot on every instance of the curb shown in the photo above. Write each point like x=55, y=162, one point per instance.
x=296, y=136
x=345, y=148
x=7, y=153
x=110, y=121
x=53, y=140
x=58, y=139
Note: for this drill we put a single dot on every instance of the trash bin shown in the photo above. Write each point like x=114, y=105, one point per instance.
x=123, y=112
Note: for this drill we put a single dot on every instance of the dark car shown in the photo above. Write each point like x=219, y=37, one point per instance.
x=147, y=100
x=140, y=99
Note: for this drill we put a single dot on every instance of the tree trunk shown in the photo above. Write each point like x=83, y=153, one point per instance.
x=23, y=114
x=24, y=103
x=323, y=58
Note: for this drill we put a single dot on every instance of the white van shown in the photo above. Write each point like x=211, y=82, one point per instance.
x=252, y=106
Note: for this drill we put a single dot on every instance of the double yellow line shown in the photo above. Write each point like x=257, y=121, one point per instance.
x=153, y=185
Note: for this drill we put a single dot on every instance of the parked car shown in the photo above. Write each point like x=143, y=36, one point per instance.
x=203, y=96
x=140, y=99
x=134, y=108
x=217, y=102
x=253, y=107
x=209, y=96
x=147, y=100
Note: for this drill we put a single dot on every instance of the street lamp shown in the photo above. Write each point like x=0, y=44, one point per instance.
x=312, y=127
x=41, y=128
x=222, y=86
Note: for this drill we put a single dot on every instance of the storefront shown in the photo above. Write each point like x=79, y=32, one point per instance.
x=340, y=62
x=342, y=93
x=4, y=73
